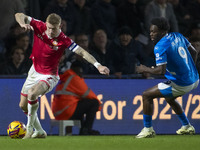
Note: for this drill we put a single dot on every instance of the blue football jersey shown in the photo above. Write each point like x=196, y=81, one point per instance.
x=172, y=50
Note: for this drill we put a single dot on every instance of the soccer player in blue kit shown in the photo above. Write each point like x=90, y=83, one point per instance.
x=175, y=58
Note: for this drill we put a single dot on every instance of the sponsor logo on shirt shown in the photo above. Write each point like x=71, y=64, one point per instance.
x=40, y=36
x=175, y=42
x=158, y=57
x=55, y=43
x=53, y=47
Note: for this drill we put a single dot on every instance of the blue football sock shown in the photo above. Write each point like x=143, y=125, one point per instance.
x=183, y=119
x=147, y=119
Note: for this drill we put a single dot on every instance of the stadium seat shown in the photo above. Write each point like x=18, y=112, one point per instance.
x=63, y=124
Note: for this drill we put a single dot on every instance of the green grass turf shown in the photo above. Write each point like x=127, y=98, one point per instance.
x=115, y=142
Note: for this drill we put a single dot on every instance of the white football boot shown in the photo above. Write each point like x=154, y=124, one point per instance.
x=188, y=129
x=146, y=133
x=29, y=132
x=39, y=134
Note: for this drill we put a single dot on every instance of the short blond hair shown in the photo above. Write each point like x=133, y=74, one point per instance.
x=53, y=19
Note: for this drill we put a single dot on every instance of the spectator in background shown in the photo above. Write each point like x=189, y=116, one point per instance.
x=104, y=15
x=43, y=4
x=182, y=15
x=68, y=58
x=33, y=7
x=66, y=10
x=23, y=41
x=64, y=29
x=194, y=9
x=8, y=8
x=74, y=94
x=194, y=31
x=126, y=53
x=64, y=26
x=86, y=23
x=82, y=40
x=99, y=49
x=16, y=64
x=2, y=51
x=129, y=14
x=160, y=8
x=143, y=4
x=10, y=39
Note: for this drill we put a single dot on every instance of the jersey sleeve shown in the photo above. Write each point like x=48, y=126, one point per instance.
x=37, y=24
x=187, y=43
x=29, y=19
x=70, y=44
x=160, y=55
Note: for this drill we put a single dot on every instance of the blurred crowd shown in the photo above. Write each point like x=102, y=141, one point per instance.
x=115, y=32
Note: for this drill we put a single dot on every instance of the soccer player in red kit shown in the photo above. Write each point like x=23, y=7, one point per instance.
x=48, y=47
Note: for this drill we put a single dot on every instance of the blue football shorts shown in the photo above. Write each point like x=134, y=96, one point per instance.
x=170, y=89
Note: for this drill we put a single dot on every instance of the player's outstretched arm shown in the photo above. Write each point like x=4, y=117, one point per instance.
x=22, y=19
x=102, y=69
x=159, y=70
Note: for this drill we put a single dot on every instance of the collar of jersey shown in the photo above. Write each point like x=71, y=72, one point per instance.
x=53, y=37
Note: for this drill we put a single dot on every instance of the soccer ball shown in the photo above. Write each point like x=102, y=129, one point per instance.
x=16, y=130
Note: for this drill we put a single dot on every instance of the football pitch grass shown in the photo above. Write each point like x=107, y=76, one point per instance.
x=109, y=142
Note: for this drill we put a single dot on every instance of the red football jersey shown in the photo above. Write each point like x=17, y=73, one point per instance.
x=46, y=52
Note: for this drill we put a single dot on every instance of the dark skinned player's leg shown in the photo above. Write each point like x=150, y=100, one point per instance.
x=174, y=105
x=178, y=110
x=154, y=92
x=148, y=97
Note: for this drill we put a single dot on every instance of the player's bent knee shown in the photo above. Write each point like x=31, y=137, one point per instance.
x=23, y=106
x=148, y=95
x=170, y=101
x=145, y=95
x=32, y=95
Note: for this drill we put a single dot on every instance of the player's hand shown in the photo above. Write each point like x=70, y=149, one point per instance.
x=103, y=70
x=26, y=27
